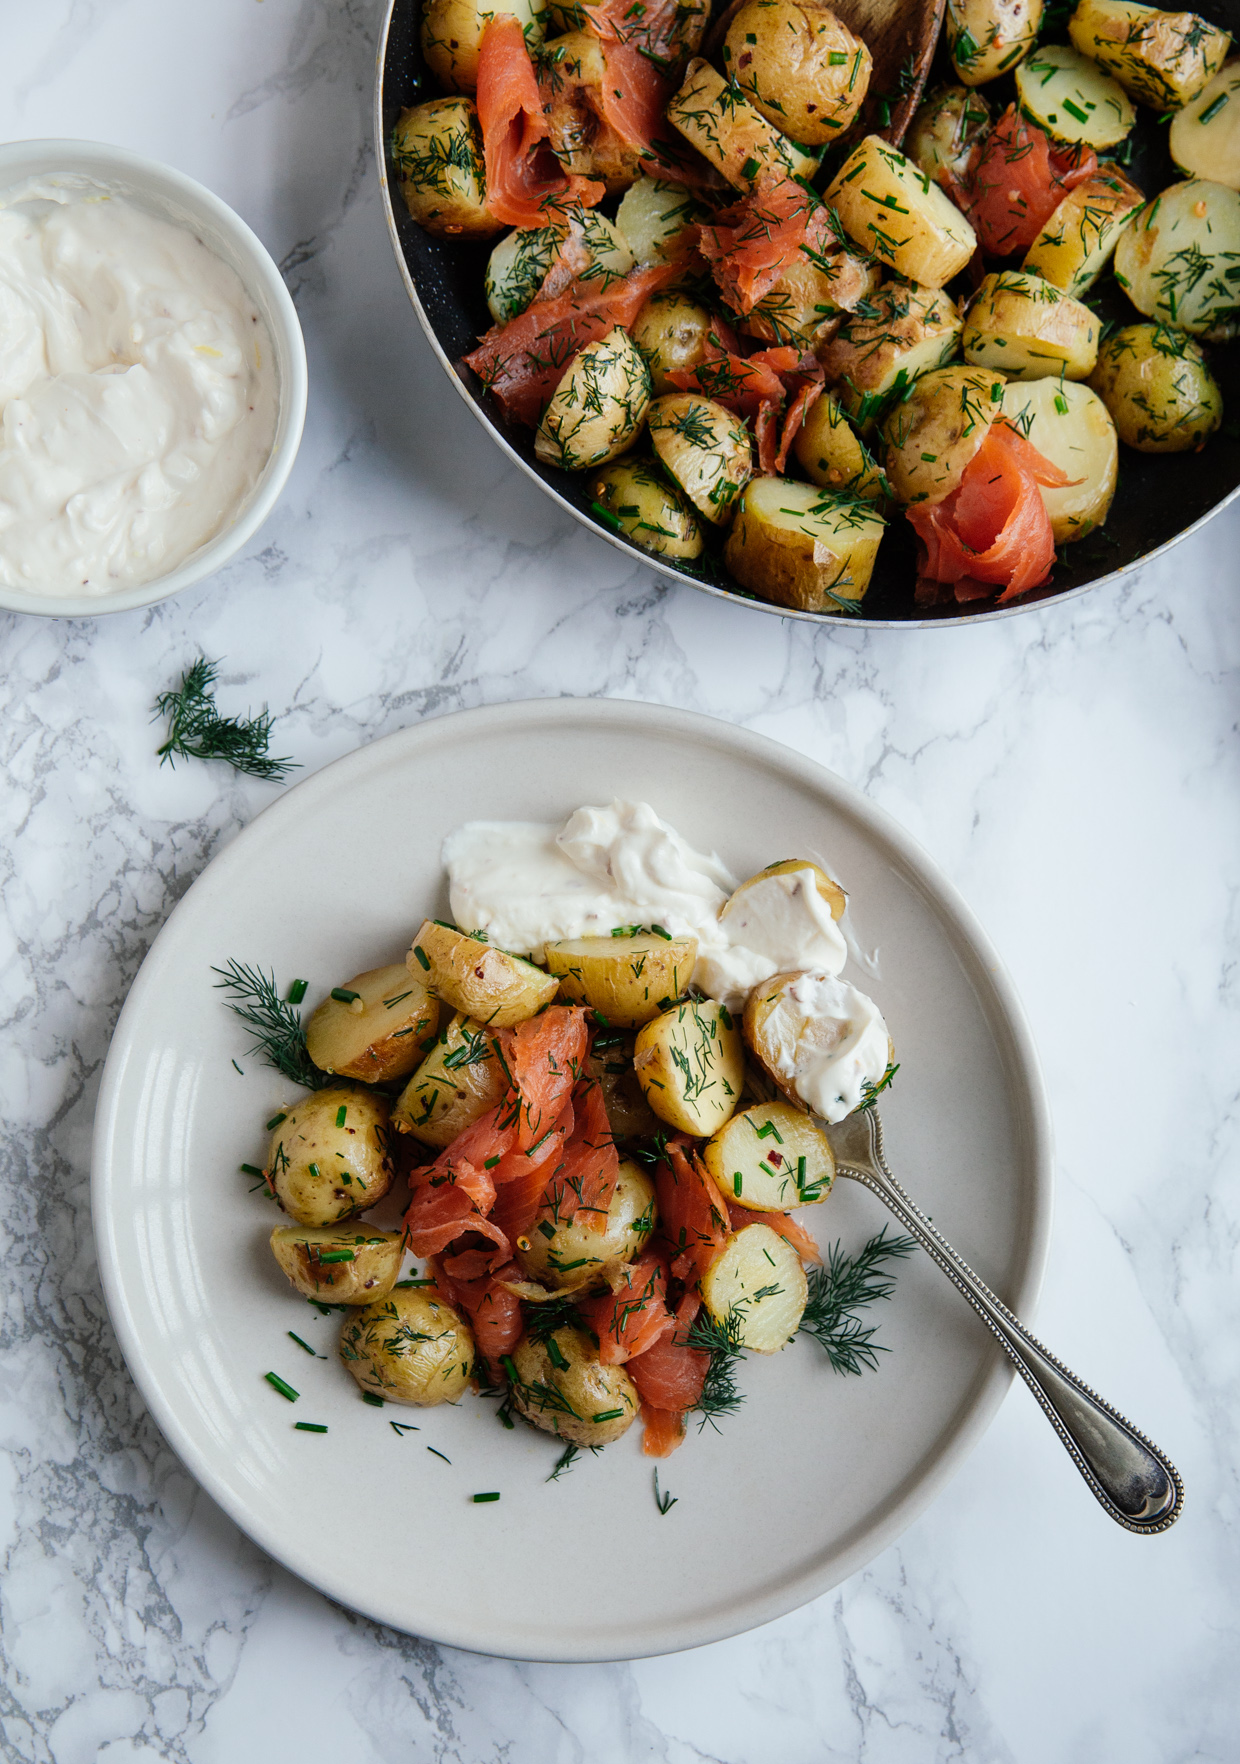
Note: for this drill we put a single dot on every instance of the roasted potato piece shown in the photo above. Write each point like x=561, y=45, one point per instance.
x=572, y=75
x=758, y=1279
x=690, y=1062
x=329, y=1155
x=930, y=437
x=902, y=332
x=1205, y=135
x=1072, y=99
x=672, y=331
x=653, y=218
x=987, y=38
x=452, y=30
x=833, y=455
x=519, y=263
x=1075, y=245
x=707, y=450
x=645, y=507
x=598, y=407
x=344, y=1264
x=575, y=1256
x=1070, y=426
x=806, y=302
x=488, y=984
x=894, y=211
x=1179, y=259
x=437, y=149
x=628, y=980
x=559, y=1385
x=459, y=1079
x=799, y=65
x=1159, y=391
x=799, y=546
x=946, y=132
x=1028, y=328
x=1160, y=58
x=820, y=1041
x=373, y=1026
x=736, y=139
x=771, y=1157
x=409, y=1347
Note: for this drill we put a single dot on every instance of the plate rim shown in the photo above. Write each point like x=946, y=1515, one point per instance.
x=962, y=1433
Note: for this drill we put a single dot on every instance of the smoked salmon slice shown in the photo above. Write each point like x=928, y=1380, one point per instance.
x=783, y=1223
x=994, y=526
x=494, y=1313
x=585, y=1178
x=750, y=245
x=654, y=28
x=526, y=184
x=662, y=1431
x=453, y=1195
x=693, y=1217
x=670, y=1377
x=1019, y=179
x=545, y=1057
x=521, y=1177
x=631, y=1318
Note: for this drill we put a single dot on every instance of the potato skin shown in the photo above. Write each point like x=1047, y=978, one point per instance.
x=930, y=437
x=946, y=133
x=892, y=209
x=410, y=1347
x=611, y=1065
x=987, y=38
x=488, y=984
x=705, y=447
x=833, y=456
x=708, y=1039
x=801, y=547
x=799, y=65
x=367, y=1276
x=671, y=331
x=571, y=73
x=628, y=980
x=441, y=1099
x=646, y=508
x=575, y=1257
x=321, y=1171
x=804, y=307
x=564, y=1396
x=1160, y=58
x=437, y=148
x=902, y=332
x=1075, y=245
x=1029, y=329
x=1161, y=394
x=378, y=1036
x=598, y=406
x=730, y=133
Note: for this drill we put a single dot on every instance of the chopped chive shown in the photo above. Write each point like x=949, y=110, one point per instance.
x=368, y=1396
x=490, y=1163
x=309, y=1427
x=1075, y=110
x=277, y=1383
x=250, y=1170
x=1212, y=110
x=426, y=1282
x=736, y=1182
x=608, y=1415
x=302, y=1344
x=750, y=169
x=297, y=991
x=556, y=1353
x=439, y=1454
x=422, y=956
x=658, y=931
x=400, y=998
x=546, y=1227
x=314, y=1170
x=340, y=1255
x=493, y=1496
x=1061, y=404
x=726, y=1014
x=401, y=1428
x=275, y=1122
x=342, y=1114
x=800, y=1172
x=342, y=995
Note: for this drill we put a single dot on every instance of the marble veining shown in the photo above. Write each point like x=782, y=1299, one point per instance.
x=1073, y=770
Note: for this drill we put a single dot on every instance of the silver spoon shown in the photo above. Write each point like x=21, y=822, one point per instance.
x=1139, y=1487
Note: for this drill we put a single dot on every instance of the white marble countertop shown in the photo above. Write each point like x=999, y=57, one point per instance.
x=1073, y=770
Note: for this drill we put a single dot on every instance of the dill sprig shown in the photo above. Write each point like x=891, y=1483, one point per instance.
x=274, y=1025
x=196, y=730
x=840, y=1288
x=722, y=1341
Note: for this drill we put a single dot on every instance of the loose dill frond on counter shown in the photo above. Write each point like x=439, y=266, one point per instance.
x=840, y=1288
x=274, y=1025
x=721, y=1341
x=196, y=730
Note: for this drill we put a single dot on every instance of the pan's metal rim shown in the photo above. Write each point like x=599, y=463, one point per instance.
x=850, y=621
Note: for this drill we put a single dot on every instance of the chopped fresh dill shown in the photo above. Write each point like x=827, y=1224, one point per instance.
x=840, y=1288
x=196, y=730
x=274, y=1025
x=722, y=1341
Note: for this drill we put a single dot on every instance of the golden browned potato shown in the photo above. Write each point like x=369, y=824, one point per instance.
x=329, y=1155
x=803, y=547
x=452, y=30
x=1159, y=391
x=1069, y=96
x=930, y=437
x=821, y=1042
x=892, y=209
x=410, y=1347
x=627, y=980
x=833, y=455
x=654, y=217
x=799, y=65
x=459, y=1079
x=690, y=1062
x=902, y=332
x=1028, y=328
x=672, y=331
x=805, y=304
x=373, y=1026
x=1069, y=425
x=771, y=1157
x=728, y=132
x=559, y=1385
x=437, y=149
x=574, y=1255
x=488, y=984
x=1178, y=257
x=572, y=74
x=707, y=450
x=1161, y=58
x=1075, y=245
x=598, y=406
x=987, y=38
x=1205, y=135
x=758, y=1280
x=344, y=1264
x=640, y=502
x=946, y=132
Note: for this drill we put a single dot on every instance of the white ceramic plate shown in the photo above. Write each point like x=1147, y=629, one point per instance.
x=815, y=1474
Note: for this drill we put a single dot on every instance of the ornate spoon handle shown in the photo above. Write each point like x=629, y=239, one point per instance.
x=1139, y=1487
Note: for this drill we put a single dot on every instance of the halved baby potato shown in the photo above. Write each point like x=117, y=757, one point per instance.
x=575, y=1255
x=519, y=264
x=987, y=38
x=935, y=430
x=329, y=1155
x=459, y=1079
x=799, y=65
x=576, y=84
x=488, y=984
x=833, y=456
x=830, y=890
x=902, y=332
x=628, y=980
x=373, y=1026
x=799, y=546
x=757, y=1278
x=654, y=216
x=1075, y=245
x=1160, y=58
x=558, y=1384
x=706, y=448
x=1179, y=259
x=437, y=149
x=730, y=133
x=1158, y=388
x=673, y=333
x=598, y=406
x=1069, y=425
x=690, y=1063
x=822, y=1042
x=1205, y=135
x=1069, y=96
x=894, y=211
x=771, y=1157
x=345, y=1264
x=946, y=133
x=1028, y=328
x=409, y=1347
x=644, y=506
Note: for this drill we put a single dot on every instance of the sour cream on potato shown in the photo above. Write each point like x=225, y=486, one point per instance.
x=827, y=1042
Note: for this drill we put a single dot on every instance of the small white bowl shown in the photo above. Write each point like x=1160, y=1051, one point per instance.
x=174, y=197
